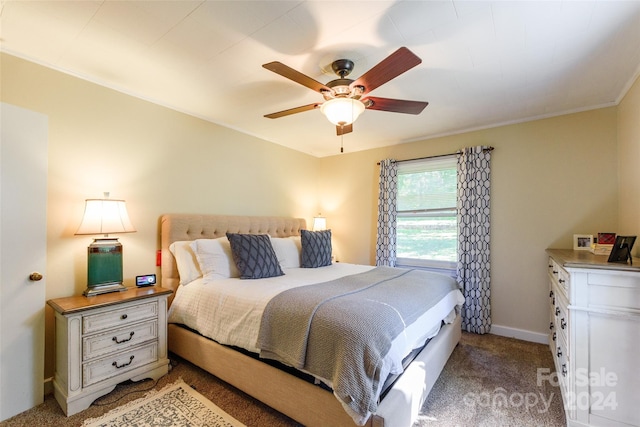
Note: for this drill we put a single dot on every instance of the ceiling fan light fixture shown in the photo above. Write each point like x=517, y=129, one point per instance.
x=342, y=111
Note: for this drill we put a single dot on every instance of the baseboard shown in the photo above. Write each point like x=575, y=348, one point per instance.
x=521, y=334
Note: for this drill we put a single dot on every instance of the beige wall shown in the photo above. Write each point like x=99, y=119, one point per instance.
x=156, y=159
x=550, y=179
x=629, y=163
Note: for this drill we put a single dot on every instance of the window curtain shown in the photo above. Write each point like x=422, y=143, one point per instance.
x=473, y=267
x=387, y=214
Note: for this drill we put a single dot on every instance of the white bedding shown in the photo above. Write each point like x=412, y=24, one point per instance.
x=229, y=311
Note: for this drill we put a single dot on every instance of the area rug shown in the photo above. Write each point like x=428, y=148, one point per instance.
x=176, y=404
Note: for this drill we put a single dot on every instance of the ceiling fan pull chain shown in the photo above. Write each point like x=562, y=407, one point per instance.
x=341, y=143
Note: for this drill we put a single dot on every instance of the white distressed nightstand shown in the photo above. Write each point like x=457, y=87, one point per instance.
x=106, y=339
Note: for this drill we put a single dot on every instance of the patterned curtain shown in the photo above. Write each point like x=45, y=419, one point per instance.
x=387, y=208
x=474, y=268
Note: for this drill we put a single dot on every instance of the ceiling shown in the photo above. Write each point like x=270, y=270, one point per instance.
x=483, y=63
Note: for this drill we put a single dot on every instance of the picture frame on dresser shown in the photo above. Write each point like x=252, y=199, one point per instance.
x=606, y=238
x=621, y=251
x=582, y=242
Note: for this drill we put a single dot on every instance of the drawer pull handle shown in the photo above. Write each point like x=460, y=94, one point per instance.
x=551, y=266
x=553, y=301
x=550, y=294
x=563, y=324
x=561, y=280
x=124, y=364
x=124, y=340
x=557, y=310
x=551, y=325
x=559, y=353
x=564, y=369
x=124, y=316
x=555, y=272
x=554, y=336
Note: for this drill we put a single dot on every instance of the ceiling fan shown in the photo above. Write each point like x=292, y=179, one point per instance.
x=343, y=97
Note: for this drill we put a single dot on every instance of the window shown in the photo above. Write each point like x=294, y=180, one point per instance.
x=427, y=232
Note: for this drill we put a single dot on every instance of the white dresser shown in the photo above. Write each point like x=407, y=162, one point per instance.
x=106, y=339
x=595, y=337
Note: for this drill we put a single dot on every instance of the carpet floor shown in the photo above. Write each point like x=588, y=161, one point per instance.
x=488, y=381
x=495, y=381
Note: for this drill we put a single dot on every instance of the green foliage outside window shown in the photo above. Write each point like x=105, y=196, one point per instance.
x=427, y=225
x=427, y=238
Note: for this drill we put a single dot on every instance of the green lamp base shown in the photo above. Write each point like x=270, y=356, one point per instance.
x=104, y=267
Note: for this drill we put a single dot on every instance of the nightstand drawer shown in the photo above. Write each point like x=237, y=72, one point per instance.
x=119, y=317
x=119, y=339
x=119, y=363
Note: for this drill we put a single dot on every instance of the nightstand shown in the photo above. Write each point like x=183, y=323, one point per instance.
x=106, y=339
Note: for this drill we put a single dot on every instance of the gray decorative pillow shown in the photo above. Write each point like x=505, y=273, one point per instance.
x=254, y=256
x=316, y=248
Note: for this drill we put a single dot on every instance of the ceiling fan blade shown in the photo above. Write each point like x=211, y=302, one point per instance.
x=395, y=105
x=296, y=76
x=293, y=110
x=341, y=130
x=389, y=68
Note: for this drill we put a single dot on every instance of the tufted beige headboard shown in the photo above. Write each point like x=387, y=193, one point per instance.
x=180, y=227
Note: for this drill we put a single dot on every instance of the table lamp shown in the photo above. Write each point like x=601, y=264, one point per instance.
x=104, y=256
x=319, y=223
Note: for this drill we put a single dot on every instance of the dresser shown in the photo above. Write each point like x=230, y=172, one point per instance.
x=106, y=339
x=594, y=335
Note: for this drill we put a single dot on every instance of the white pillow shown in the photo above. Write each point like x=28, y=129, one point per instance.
x=215, y=258
x=186, y=262
x=287, y=250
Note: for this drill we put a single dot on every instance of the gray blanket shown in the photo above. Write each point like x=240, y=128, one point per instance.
x=341, y=330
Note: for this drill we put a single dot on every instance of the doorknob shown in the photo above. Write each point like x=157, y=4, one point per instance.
x=35, y=276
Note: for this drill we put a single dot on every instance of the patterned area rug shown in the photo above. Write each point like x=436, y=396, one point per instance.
x=176, y=404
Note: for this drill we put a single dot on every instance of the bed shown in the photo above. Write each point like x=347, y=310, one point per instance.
x=292, y=395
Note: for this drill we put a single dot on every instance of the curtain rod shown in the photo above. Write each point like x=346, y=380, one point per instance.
x=435, y=157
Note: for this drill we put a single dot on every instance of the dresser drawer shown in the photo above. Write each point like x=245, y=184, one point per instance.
x=552, y=318
x=563, y=367
x=119, y=339
x=116, y=364
x=564, y=280
x=119, y=317
x=553, y=269
x=559, y=276
x=620, y=292
x=562, y=321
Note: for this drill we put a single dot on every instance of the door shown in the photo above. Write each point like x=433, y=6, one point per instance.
x=23, y=196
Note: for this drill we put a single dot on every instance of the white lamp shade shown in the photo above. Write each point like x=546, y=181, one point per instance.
x=342, y=111
x=105, y=216
x=319, y=223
